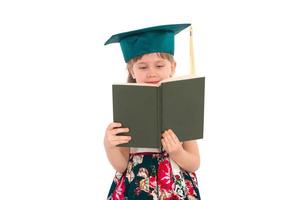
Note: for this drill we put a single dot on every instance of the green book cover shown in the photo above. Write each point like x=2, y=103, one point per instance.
x=147, y=110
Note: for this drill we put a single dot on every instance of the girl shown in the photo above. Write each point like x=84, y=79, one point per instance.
x=148, y=173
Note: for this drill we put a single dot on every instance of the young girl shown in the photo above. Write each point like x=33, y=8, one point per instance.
x=148, y=173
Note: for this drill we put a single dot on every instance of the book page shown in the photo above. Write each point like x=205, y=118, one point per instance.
x=138, y=84
x=180, y=78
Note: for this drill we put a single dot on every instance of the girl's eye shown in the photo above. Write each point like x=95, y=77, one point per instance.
x=143, y=68
x=159, y=66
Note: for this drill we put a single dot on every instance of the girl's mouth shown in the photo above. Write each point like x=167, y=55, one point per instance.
x=153, y=82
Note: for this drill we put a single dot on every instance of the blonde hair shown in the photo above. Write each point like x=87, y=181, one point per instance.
x=131, y=62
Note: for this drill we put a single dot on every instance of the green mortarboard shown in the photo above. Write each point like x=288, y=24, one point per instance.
x=148, y=40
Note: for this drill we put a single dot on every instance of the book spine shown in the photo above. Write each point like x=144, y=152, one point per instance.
x=159, y=114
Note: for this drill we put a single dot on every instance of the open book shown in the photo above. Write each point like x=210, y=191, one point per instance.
x=148, y=110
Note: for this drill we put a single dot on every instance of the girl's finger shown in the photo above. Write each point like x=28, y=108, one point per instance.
x=173, y=136
x=117, y=138
x=113, y=125
x=168, y=139
x=115, y=143
x=164, y=144
x=119, y=130
x=167, y=144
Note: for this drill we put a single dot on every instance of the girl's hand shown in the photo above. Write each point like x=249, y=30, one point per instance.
x=111, y=139
x=171, y=143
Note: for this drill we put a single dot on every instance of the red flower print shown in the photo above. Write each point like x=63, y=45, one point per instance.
x=177, y=177
x=165, y=180
x=190, y=187
x=152, y=182
x=174, y=197
x=119, y=191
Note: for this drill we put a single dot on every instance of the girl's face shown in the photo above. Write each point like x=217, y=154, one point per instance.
x=151, y=68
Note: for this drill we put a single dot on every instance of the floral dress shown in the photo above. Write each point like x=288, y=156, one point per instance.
x=152, y=175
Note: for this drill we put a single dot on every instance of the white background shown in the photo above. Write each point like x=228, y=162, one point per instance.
x=55, y=87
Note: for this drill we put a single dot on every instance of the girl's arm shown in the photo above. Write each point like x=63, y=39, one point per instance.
x=117, y=156
x=186, y=155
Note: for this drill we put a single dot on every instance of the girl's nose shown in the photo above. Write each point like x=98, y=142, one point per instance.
x=152, y=73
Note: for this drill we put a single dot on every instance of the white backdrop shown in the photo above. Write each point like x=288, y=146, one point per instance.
x=55, y=87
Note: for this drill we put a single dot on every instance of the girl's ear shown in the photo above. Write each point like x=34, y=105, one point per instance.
x=173, y=68
x=131, y=73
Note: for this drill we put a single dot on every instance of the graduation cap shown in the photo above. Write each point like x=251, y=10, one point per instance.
x=148, y=40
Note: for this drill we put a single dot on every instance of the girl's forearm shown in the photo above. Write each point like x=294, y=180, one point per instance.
x=186, y=160
x=118, y=157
